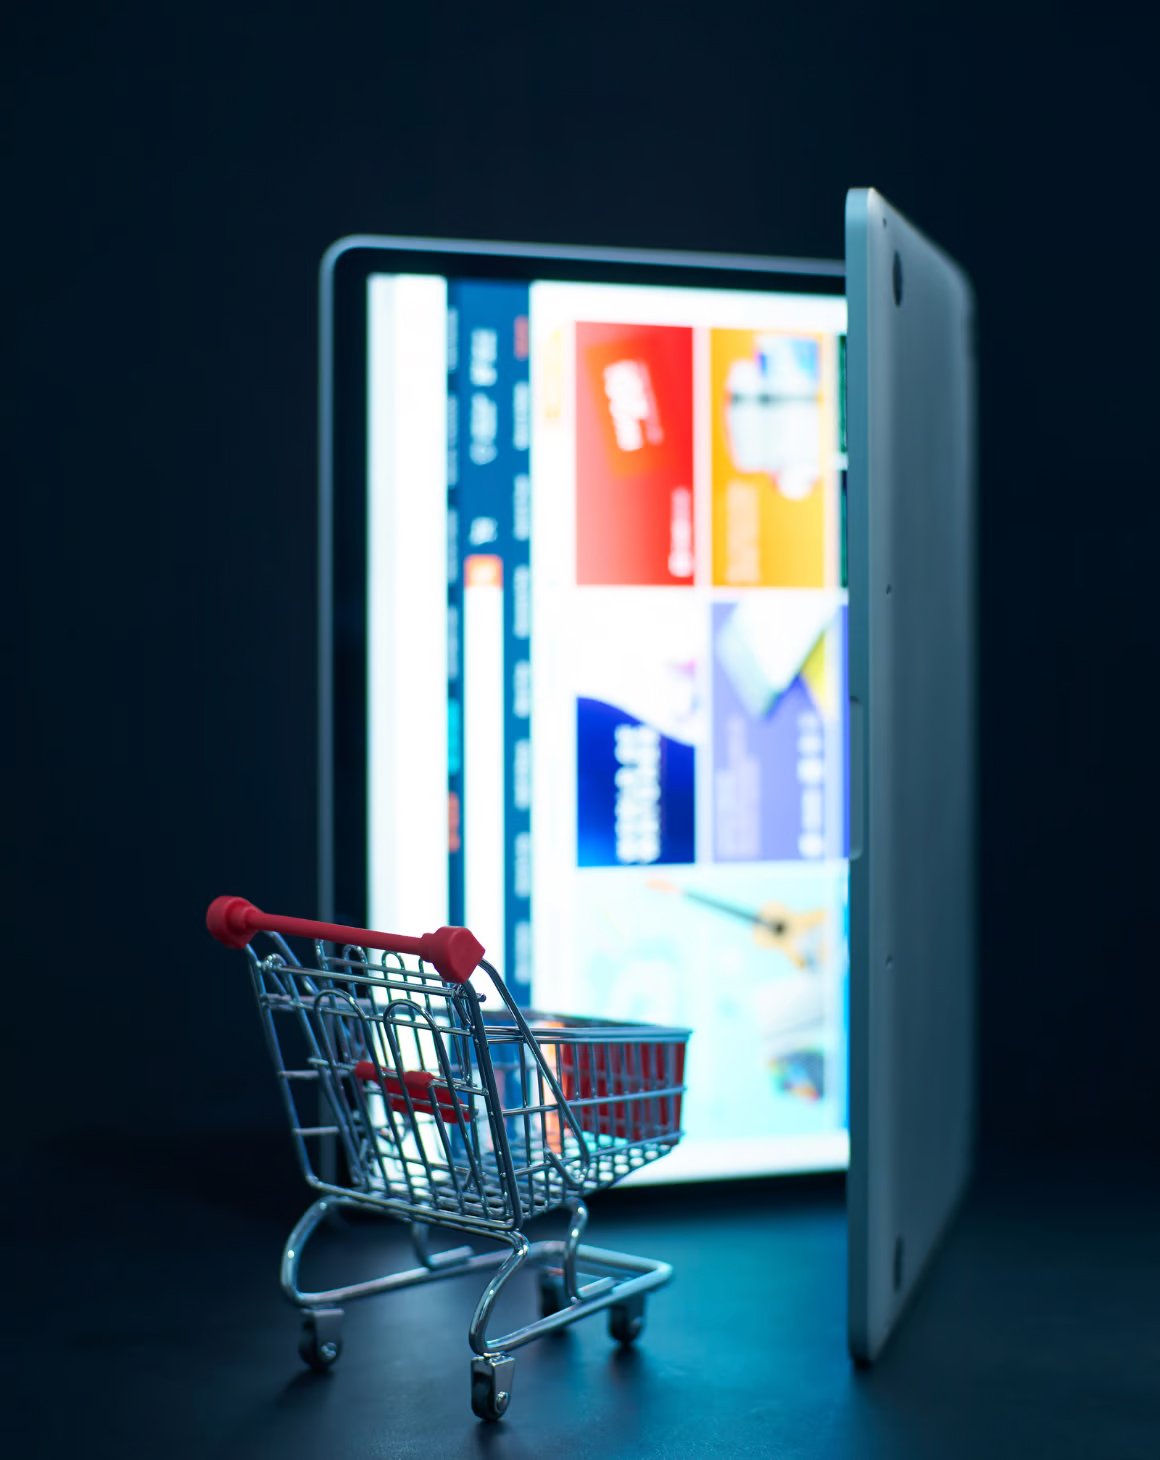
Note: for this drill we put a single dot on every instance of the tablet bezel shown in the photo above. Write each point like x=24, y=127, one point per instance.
x=913, y=875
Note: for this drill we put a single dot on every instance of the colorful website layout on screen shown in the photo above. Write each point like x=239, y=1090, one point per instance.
x=607, y=632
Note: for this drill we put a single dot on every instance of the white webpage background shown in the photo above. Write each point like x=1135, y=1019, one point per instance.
x=407, y=856
x=558, y=979
x=407, y=559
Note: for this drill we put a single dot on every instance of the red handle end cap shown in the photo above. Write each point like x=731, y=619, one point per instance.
x=454, y=952
x=228, y=919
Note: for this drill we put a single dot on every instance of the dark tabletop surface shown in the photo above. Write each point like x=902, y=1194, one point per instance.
x=145, y=1317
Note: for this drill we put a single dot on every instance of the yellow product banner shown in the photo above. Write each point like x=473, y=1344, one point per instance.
x=774, y=459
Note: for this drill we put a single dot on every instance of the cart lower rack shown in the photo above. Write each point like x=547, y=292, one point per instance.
x=447, y=1111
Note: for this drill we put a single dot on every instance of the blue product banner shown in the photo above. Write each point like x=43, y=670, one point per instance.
x=635, y=801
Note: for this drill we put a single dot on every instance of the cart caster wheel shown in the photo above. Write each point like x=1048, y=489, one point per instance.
x=626, y=1320
x=491, y=1386
x=552, y=1295
x=321, y=1340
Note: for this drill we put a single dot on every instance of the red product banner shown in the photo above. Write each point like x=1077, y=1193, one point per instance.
x=634, y=454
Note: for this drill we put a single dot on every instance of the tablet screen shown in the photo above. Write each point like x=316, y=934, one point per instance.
x=606, y=639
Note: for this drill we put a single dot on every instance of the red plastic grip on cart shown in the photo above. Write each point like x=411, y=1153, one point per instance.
x=417, y=1084
x=453, y=952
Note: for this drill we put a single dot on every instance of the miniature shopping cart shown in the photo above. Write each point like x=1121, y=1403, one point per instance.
x=447, y=1111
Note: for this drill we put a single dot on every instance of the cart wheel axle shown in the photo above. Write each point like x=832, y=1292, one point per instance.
x=491, y=1386
x=321, y=1341
x=626, y=1320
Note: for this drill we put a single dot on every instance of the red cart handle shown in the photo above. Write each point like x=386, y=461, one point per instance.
x=454, y=952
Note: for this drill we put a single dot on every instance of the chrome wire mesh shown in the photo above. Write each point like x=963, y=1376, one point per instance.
x=447, y=1103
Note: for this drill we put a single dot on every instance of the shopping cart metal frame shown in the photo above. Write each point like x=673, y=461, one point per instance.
x=409, y=1063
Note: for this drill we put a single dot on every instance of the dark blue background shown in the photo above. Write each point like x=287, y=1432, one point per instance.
x=173, y=176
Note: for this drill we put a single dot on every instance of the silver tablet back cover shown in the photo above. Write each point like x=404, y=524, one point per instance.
x=911, y=554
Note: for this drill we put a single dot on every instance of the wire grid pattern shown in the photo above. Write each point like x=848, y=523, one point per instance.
x=451, y=1112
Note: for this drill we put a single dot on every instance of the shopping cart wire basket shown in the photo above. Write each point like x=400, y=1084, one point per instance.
x=450, y=1109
